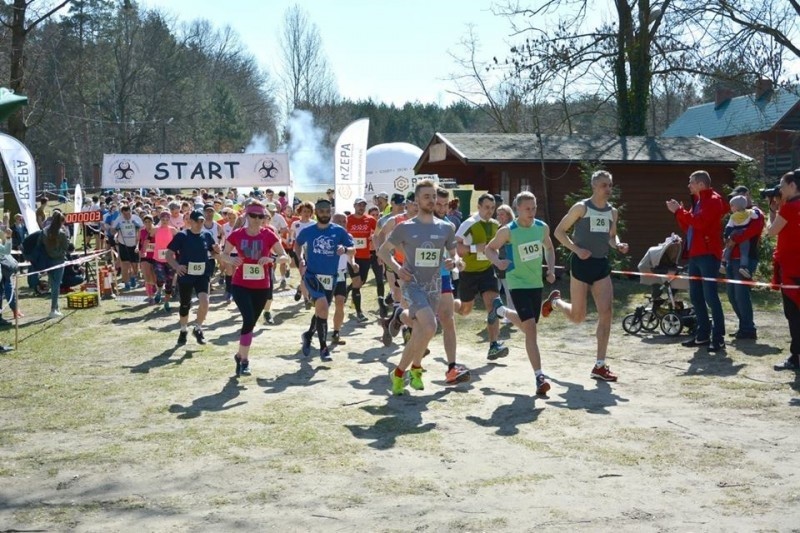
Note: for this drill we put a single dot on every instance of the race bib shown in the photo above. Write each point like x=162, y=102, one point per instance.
x=480, y=256
x=530, y=251
x=150, y=247
x=251, y=271
x=326, y=281
x=342, y=276
x=196, y=269
x=599, y=224
x=427, y=258
x=162, y=254
x=360, y=242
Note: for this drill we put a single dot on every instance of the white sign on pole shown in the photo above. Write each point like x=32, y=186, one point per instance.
x=350, y=162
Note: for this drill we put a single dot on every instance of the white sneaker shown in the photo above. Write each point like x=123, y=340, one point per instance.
x=55, y=313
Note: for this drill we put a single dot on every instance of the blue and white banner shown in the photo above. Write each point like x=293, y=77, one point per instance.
x=78, y=207
x=22, y=175
x=350, y=163
x=133, y=171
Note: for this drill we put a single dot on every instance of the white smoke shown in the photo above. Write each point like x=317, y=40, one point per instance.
x=310, y=161
x=259, y=144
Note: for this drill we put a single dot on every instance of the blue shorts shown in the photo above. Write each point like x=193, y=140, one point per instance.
x=316, y=289
x=447, y=285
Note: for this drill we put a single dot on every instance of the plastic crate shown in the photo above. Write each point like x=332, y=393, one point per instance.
x=82, y=300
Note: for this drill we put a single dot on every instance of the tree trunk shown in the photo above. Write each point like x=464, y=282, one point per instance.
x=16, y=122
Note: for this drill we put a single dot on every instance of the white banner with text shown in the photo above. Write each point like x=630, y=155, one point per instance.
x=133, y=171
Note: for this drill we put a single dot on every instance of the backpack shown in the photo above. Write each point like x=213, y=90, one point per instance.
x=33, y=250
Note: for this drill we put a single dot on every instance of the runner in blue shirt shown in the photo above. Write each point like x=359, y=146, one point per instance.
x=318, y=248
x=191, y=254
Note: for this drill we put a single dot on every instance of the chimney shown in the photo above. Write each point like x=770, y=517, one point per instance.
x=722, y=96
x=763, y=89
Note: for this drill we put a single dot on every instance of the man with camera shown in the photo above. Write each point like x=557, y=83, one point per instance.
x=739, y=295
x=784, y=221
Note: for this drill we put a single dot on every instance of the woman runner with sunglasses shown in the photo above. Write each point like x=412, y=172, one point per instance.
x=251, y=286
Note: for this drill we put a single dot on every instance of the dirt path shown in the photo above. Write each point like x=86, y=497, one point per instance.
x=112, y=428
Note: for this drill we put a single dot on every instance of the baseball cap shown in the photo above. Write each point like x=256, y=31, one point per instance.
x=330, y=190
x=739, y=202
x=228, y=203
x=359, y=200
x=410, y=197
x=197, y=215
x=398, y=198
x=271, y=206
x=208, y=206
x=383, y=195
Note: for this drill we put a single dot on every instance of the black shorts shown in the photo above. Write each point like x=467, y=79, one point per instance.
x=471, y=284
x=112, y=243
x=527, y=303
x=127, y=254
x=92, y=231
x=589, y=270
x=340, y=289
x=200, y=284
x=363, y=269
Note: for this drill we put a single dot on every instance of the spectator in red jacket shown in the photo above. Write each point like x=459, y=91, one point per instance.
x=739, y=295
x=702, y=224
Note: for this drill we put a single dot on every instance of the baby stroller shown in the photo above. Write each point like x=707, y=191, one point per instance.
x=663, y=309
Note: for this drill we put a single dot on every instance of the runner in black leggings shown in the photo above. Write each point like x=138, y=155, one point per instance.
x=251, y=286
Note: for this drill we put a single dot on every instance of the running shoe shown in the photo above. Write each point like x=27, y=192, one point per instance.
x=416, y=379
x=542, y=386
x=268, y=318
x=325, y=355
x=198, y=334
x=157, y=297
x=457, y=374
x=497, y=303
x=182, y=338
x=394, y=323
x=361, y=318
x=496, y=351
x=150, y=301
x=305, y=338
x=282, y=285
x=547, y=305
x=604, y=373
x=238, y=360
x=55, y=313
x=246, y=367
x=791, y=363
x=406, y=334
x=386, y=337
x=398, y=384
x=166, y=307
x=336, y=339
x=297, y=295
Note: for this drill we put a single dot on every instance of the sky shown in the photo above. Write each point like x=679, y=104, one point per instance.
x=388, y=50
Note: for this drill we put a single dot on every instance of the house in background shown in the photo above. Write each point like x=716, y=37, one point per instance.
x=765, y=125
x=648, y=171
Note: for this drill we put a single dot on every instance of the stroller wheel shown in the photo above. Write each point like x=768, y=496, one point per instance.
x=632, y=323
x=671, y=324
x=650, y=321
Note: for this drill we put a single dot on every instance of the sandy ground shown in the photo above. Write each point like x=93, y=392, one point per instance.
x=123, y=431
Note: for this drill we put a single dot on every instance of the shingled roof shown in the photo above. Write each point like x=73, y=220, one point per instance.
x=522, y=147
x=738, y=116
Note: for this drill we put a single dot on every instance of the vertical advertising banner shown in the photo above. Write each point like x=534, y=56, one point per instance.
x=350, y=163
x=77, y=209
x=22, y=175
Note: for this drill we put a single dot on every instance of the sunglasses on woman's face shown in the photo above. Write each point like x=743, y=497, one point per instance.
x=253, y=215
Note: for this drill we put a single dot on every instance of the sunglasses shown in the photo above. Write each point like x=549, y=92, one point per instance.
x=253, y=215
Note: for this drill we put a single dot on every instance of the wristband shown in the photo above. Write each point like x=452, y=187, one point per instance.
x=473, y=248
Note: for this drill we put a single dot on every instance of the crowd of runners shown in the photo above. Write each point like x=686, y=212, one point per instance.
x=427, y=269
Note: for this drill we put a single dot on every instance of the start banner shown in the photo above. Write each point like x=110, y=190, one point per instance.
x=133, y=171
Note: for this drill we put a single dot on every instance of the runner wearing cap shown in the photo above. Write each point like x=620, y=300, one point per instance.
x=362, y=228
x=215, y=230
x=318, y=247
x=526, y=240
x=190, y=254
x=423, y=240
x=281, y=228
x=305, y=210
x=255, y=245
x=381, y=200
x=126, y=234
